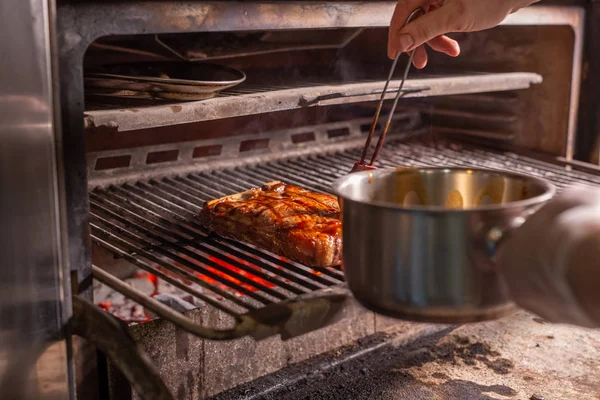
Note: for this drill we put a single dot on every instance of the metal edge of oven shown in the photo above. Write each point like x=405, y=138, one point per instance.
x=35, y=302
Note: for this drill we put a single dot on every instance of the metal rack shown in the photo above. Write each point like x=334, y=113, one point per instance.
x=152, y=224
x=254, y=99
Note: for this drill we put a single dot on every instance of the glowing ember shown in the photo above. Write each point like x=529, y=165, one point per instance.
x=174, y=274
x=122, y=307
x=223, y=269
x=258, y=283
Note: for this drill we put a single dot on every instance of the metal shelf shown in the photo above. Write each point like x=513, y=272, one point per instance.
x=251, y=100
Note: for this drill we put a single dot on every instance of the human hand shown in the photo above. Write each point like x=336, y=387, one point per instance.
x=551, y=265
x=442, y=17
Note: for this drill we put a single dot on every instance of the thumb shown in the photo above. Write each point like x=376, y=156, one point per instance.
x=423, y=29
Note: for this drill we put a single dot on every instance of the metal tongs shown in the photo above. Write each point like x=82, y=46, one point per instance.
x=361, y=165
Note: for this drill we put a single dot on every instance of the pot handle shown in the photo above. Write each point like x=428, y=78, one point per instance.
x=498, y=235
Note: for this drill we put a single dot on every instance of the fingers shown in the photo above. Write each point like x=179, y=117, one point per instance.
x=436, y=22
x=420, y=58
x=445, y=45
x=442, y=44
x=403, y=10
x=428, y=28
x=401, y=13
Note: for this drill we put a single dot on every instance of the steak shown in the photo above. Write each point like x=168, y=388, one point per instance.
x=286, y=220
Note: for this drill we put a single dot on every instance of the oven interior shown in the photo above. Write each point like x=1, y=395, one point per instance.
x=300, y=116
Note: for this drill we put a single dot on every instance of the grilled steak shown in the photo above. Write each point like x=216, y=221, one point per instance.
x=284, y=219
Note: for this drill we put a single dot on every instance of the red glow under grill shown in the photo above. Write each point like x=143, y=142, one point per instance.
x=257, y=283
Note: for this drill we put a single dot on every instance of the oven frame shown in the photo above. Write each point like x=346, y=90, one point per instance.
x=81, y=23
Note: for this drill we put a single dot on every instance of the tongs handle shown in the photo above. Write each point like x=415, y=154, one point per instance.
x=361, y=164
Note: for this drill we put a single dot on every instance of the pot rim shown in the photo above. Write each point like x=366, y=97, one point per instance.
x=549, y=191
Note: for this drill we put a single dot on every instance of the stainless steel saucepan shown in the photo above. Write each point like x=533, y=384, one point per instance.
x=419, y=244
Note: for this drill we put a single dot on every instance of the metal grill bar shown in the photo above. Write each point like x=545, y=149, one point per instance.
x=192, y=259
x=193, y=240
x=228, y=250
x=240, y=250
x=153, y=224
x=105, y=239
x=136, y=249
x=419, y=154
x=175, y=282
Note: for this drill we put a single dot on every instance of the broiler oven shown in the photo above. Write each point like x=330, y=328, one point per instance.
x=165, y=105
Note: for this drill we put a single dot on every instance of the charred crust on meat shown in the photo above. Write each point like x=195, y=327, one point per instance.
x=286, y=220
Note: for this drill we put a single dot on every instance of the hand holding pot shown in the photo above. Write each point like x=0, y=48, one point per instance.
x=551, y=265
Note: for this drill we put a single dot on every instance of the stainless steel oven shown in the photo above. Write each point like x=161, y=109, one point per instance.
x=100, y=198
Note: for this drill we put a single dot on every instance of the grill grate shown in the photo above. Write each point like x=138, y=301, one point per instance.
x=152, y=223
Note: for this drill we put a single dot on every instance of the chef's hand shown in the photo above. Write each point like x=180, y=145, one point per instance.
x=444, y=16
x=551, y=265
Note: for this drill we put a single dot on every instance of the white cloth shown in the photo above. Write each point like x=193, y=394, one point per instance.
x=535, y=259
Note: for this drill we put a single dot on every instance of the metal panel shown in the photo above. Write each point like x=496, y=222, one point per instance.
x=93, y=20
x=575, y=18
x=230, y=152
x=588, y=131
x=34, y=301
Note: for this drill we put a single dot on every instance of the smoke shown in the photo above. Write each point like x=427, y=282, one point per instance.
x=345, y=70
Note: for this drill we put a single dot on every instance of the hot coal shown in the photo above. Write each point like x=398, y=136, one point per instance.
x=130, y=311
